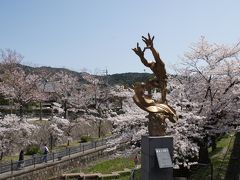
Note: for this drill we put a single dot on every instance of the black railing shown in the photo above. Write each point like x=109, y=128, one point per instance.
x=55, y=156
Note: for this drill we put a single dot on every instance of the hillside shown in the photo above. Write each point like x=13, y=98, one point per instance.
x=127, y=79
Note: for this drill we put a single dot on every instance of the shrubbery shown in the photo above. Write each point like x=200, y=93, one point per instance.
x=32, y=149
x=85, y=139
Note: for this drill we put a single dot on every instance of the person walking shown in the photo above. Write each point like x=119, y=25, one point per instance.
x=1, y=155
x=132, y=174
x=136, y=160
x=45, y=153
x=21, y=159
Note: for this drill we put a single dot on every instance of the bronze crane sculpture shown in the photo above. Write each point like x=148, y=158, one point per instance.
x=158, y=110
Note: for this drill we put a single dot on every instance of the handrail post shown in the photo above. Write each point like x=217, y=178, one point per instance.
x=34, y=161
x=95, y=144
x=11, y=166
x=211, y=164
x=83, y=148
x=53, y=156
x=69, y=152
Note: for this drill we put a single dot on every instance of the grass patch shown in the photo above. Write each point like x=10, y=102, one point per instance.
x=74, y=143
x=110, y=166
x=219, y=158
x=7, y=159
x=64, y=146
x=39, y=122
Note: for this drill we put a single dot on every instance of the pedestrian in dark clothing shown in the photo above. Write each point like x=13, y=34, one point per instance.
x=1, y=155
x=21, y=159
x=136, y=160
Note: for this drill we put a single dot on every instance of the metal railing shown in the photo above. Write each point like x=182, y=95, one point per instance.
x=54, y=156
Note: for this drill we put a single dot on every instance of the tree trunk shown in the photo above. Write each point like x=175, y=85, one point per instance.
x=51, y=112
x=51, y=141
x=99, y=128
x=214, y=143
x=65, y=109
x=203, y=154
x=1, y=156
x=121, y=104
x=40, y=104
x=11, y=105
x=21, y=111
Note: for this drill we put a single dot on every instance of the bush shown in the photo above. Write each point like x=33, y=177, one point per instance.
x=32, y=149
x=85, y=139
x=3, y=101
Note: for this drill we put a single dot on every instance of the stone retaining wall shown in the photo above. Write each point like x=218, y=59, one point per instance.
x=57, y=168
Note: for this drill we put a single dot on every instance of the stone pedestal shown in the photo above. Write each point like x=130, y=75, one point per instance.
x=150, y=169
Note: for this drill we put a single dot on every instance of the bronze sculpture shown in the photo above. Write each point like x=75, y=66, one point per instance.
x=158, y=110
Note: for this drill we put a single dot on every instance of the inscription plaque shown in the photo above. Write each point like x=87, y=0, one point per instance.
x=163, y=157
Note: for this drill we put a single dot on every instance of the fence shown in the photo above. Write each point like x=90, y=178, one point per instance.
x=38, y=159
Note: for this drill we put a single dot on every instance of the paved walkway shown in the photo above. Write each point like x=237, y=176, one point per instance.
x=49, y=163
x=233, y=171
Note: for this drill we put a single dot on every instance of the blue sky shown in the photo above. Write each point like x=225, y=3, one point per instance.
x=99, y=34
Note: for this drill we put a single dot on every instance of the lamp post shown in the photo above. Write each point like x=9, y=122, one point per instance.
x=40, y=103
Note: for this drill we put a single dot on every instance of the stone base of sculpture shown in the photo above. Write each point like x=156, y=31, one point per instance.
x=150, y=169
x=156, y=125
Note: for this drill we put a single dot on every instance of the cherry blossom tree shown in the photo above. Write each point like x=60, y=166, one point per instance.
x=52, y=132
x=15, y=134
x=98, y=95
x=16, y=83
x=210, y=77
x=65, y=84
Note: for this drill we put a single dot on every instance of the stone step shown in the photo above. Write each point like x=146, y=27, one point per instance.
x=98, y=175
x=73, y=175
x=115, y=175
x=90, y=176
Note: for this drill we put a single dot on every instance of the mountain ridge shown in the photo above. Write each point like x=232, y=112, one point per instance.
x=127, y=79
